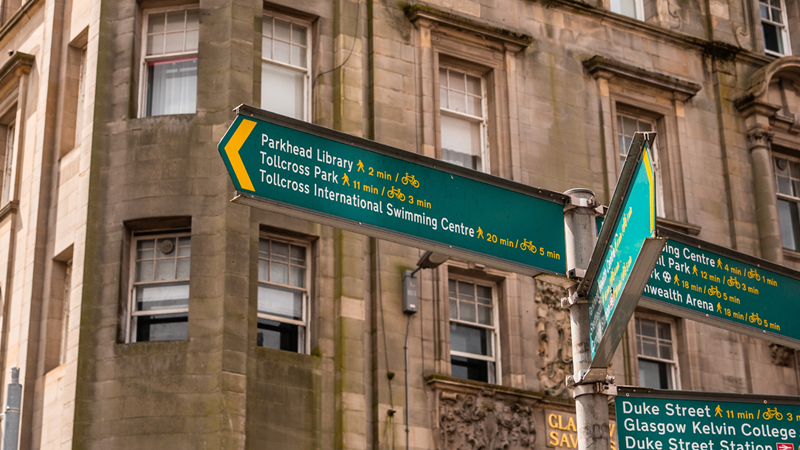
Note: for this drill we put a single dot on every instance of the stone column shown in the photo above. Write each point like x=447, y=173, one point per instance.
x=769, y=228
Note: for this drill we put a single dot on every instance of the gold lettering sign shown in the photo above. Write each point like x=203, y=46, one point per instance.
x=562, y=430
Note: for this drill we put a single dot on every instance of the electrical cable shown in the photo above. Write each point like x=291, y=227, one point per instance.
x=355, y=36
x=383, y=327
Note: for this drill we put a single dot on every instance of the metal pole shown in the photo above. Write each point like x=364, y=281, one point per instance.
x=591, y=404
x=11, y=419
x=408, y=414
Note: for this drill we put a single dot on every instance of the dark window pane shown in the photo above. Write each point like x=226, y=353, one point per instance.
x=772, y=38
x=469, y=369
x=470, y=339
x=654, y=374
x=167, y=327
x=279, y=336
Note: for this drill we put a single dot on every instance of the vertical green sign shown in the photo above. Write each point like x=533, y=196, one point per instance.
x=650, y=419
x=313, y=173
x=728, y=289
x=631, y=221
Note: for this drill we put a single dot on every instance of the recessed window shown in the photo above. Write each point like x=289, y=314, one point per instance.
x=787, y=183
x=170, y=62
x=473, y=331
x=282, y=295
x=285, y=66
x=463, y=119
x=10, y=156
x=773, y=25
x=159, y=309
x=655, y=346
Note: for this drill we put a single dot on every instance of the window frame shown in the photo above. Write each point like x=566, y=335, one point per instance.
x=784, y=28
x=494, y=329
x=162, y=58
x=306, y=290
x=786, y=197
x=486, y=163
x=307, y=95
x=673, y=364
x=132, y=313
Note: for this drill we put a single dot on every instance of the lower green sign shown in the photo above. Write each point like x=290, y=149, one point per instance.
x=318, y=174
x=725, y=288
x=649, y=419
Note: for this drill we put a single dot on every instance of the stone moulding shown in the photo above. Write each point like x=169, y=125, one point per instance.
x=471, y=416
x=18, y=65
x=515, y=40
x=10, y=207
x=602, y=67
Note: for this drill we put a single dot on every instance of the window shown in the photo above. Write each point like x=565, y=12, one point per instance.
x=65, y=309
x=628, y=125
x=631, y=8
x=773, y=25
x=170, y=62
x=473, y=333
x=787, y=180
x=159, y=309
x=285, y=63
x=282, y=295
x=8, y=164
x=654, y=343
x=463, y=119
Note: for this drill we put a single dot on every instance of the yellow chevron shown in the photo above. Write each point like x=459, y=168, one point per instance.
x=232, y=150
x=652, y=189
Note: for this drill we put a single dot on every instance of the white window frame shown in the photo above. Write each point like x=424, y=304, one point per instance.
x=494, y=333
x=672, y=363
x=483, y=121
x=786, y=197
x=305, y=70
x=637, y=4
x=784, y=28
x=144, y=59
x=9, y=162
x=305, y=290
x=660, y=207
x=132, y=313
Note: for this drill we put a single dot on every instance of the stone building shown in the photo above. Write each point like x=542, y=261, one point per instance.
x=144, y=310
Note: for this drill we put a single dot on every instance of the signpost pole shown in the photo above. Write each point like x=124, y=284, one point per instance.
x=591, y=404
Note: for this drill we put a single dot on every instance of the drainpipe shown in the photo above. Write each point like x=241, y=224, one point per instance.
x=11, y=416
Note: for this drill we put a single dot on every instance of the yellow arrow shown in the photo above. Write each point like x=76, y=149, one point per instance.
x=232, y=150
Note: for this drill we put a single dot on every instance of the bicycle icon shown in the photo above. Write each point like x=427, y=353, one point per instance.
x=395, y=193
x=527, y=245
x=772, y=412
x=410, y=179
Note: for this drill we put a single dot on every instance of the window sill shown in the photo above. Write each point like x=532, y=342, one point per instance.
x=791, y=255
x=681, y=227
x=10, y=207
x=150, y=347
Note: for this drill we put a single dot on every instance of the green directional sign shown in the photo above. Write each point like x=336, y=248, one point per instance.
x=725, y=288
x=624, y=254
x=318, y=174
x=649, y=419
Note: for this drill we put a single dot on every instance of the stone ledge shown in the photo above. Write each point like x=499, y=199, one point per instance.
x=682, y=227
x=602, y=67
x=10, y=207
x=517, y=40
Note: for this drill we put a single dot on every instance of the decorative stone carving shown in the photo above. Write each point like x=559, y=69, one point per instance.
x=472, y=422
x=555, y=342
x=759, y=136
x=781, y=356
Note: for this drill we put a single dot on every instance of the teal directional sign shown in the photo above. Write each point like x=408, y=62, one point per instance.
x=318, y=174
x=624, y=254
x=725, y=288
x=682, y=420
